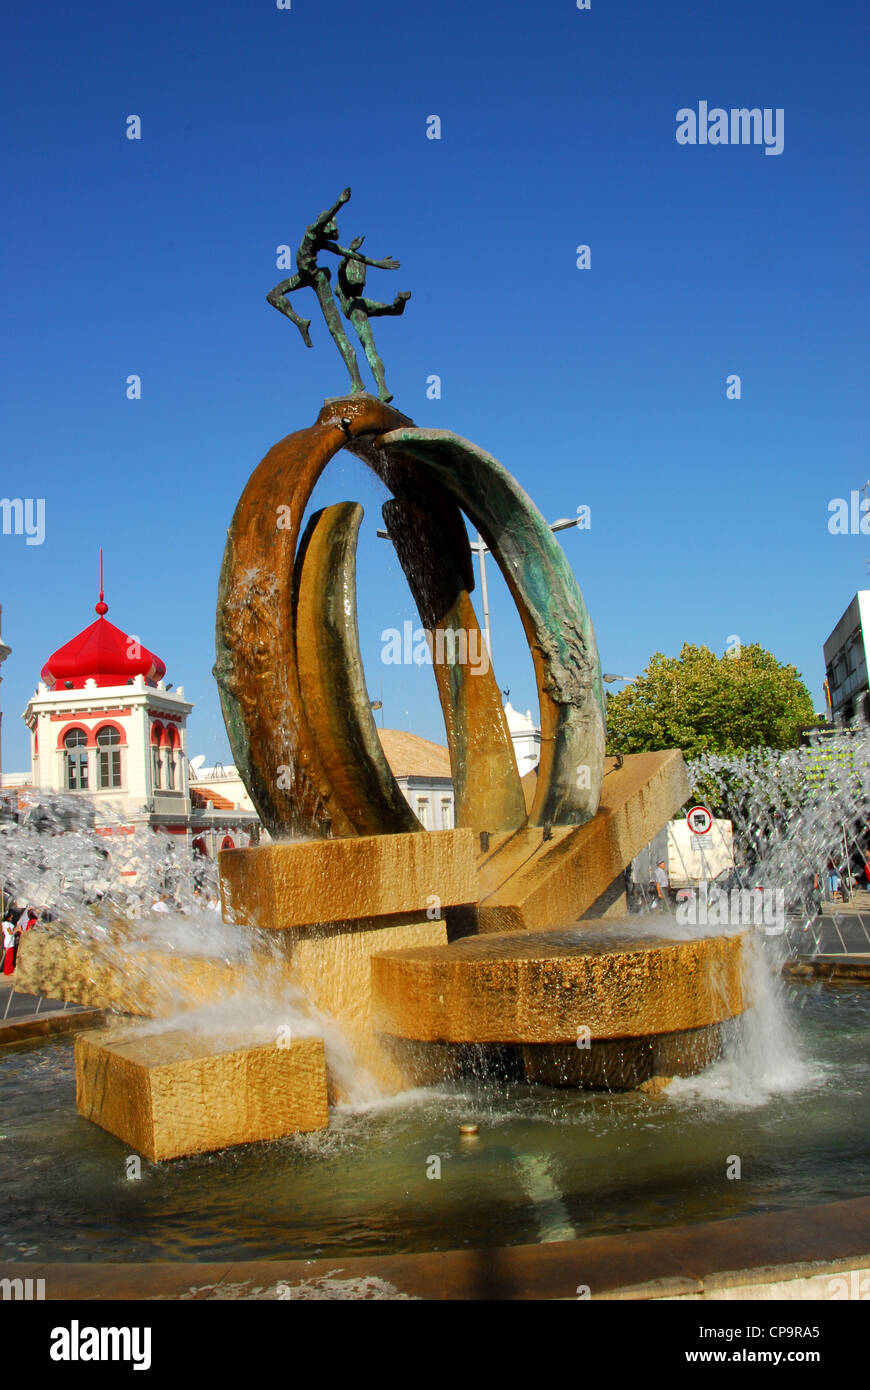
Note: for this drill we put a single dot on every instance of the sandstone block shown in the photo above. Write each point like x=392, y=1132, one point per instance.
x=528, y=881
x=174, y=1093
x=541, y=987
x=301, y=883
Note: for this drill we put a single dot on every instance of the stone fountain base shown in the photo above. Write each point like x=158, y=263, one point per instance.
x=174, y=1093
x=418, y=945
x=574, y=986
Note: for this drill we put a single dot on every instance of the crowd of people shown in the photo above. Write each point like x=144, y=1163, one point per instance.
x=16, y=921
x=841, y=878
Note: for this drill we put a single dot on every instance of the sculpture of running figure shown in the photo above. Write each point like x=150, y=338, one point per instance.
x=322, y=236
x=358, y=309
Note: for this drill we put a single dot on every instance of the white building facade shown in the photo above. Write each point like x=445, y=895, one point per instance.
x=526, y=736
x=105, y=724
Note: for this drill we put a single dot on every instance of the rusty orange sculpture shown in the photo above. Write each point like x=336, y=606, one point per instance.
x=289, y=667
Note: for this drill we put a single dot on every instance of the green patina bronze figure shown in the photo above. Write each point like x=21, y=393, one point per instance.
x=322, y=235
x=358, y=309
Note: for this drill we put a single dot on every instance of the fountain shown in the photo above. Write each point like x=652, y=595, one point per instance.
x=381, y=1003
x=418, y=945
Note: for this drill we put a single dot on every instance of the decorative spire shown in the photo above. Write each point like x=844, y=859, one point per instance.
x=102, y=608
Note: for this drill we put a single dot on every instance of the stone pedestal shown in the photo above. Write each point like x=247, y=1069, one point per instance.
x=302, y=883
x=551, y=987
x=332, y=965
x=174, y=1093
x=538, y=878
x=337, y=903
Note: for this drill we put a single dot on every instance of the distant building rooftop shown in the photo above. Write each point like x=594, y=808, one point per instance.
x=412, y=756
x=202, y=796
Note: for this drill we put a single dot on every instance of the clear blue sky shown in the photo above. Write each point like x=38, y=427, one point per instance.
x=604, y=387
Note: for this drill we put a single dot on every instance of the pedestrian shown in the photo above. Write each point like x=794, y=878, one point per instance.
x=9, y=942
x=662, y=884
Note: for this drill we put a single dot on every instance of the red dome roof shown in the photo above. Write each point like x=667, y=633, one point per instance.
x=102, y=653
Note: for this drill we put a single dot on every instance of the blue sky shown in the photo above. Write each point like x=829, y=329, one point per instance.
x=604, y=387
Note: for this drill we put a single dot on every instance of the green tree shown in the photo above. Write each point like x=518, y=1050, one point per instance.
x=704, y=703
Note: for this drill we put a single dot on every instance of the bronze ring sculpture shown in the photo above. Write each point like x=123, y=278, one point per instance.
x=288, y=662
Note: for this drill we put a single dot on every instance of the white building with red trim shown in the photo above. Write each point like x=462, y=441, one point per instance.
x=105, y=723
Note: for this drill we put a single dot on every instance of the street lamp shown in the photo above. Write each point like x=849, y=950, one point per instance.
x=610, y=678
x=481, y=550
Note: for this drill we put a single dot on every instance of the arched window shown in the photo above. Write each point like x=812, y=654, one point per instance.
x=227, y=842
x=76, y=761
x=171, y=756
x=108, y=758
x=156, y=761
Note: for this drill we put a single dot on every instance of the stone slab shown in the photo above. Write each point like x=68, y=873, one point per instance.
x=175, y=1093
x=537, y=879
x=305, y=882
x=623, y=1065
x=149, y=984
x=541, y=987
x=332, y=965
x=27, y=1026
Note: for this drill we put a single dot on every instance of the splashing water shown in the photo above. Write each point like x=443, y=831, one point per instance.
x=60, y=862
x=796, y=814
x=762, y=1055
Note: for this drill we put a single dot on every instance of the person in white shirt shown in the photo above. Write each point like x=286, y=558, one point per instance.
x=662, y=883
x=10, y=939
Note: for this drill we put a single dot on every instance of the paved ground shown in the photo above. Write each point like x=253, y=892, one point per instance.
x=843, y=931
x=27, y=1016
x=14, y=1004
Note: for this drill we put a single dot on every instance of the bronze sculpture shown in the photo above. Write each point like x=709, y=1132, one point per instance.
x=322, y=235
x=288, y=661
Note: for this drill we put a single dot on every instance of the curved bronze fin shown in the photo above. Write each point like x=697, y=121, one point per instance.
x=432, y=553
x=550, y=604
x=332, y=678
x=272, y=746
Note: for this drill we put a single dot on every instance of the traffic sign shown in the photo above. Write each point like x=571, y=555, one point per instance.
x=700, y=820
